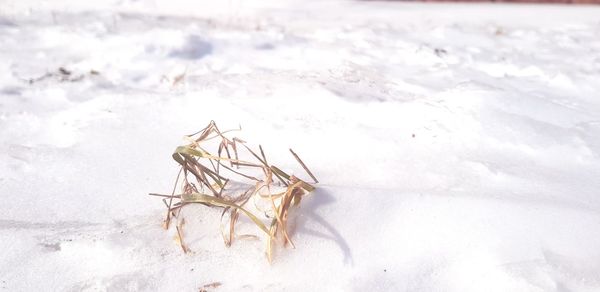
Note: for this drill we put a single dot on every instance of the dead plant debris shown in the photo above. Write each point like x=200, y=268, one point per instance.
x=213, y=285
x=213, y=180
x=62, y=75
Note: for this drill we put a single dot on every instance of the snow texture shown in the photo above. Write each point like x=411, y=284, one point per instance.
x=457, y=145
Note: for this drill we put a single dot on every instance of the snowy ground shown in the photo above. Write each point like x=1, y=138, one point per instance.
x=458, y=146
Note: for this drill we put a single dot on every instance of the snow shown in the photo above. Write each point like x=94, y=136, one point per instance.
x=457, y=145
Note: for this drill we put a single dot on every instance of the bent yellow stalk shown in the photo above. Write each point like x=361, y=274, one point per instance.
x=217, y=202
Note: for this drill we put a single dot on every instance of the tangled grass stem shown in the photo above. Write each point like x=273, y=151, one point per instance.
x=203, y=179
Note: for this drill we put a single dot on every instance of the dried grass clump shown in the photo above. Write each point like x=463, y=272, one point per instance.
x=213, y=180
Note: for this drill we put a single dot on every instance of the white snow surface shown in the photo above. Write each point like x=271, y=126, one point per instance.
x=457, y=145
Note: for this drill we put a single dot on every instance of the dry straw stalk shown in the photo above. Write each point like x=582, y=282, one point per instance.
x=204, y=179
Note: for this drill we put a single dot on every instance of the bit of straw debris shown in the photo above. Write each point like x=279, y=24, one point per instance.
x=203, y=178
x=206, y=287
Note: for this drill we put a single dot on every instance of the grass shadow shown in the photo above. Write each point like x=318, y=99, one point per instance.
x=326, y=230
